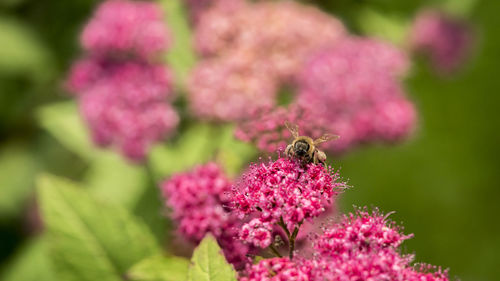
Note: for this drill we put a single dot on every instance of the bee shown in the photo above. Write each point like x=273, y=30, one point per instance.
x=304, y=148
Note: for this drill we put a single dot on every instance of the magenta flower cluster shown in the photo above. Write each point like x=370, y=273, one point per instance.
x=351, y=89
x=200, y=203
x=362, y=246
x=123, y=95
x=447, y=40
x=284, y=192
x=250, y=51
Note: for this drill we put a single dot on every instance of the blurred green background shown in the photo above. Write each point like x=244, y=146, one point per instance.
x=443, y=184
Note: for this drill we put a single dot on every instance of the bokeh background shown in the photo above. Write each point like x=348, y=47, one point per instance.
x=443, y=183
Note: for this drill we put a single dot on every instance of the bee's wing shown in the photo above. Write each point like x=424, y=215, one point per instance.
x=293, y=128
x=325, y=138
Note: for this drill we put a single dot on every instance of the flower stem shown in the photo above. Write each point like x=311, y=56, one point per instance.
x=291, y=240
x=275, y=251
x=283, y=225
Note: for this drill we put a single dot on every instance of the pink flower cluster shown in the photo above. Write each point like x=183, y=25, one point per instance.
x=363, y=246
x=350, y=89
x=445, y=39
x=283, y=191
x=265, y=127
x=122, y=94
x=360, y=232
x=276, y=269
x=199, y=201
x=126, y=27
x=254, y=49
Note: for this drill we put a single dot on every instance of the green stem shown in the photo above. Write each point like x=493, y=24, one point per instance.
x=283, y=225
x=291, y=240
x=275, y=251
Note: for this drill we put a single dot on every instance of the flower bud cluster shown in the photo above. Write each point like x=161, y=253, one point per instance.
x=122, y=94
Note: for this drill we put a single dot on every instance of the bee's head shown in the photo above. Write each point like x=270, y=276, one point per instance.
x=301, y=147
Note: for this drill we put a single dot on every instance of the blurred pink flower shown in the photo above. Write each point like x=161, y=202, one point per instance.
x=285, y=191
x=122, y=94
x=197, y=8
x=124, y=103
x=351, y=89
x=445, y=39
x=199, y=200
x=356, y=91
x=227, y=89
x=265, y=127
x=122, y=27
x=278, y=33
x=250, y=51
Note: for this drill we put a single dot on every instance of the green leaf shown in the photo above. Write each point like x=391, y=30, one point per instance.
x=21, y=51
x=181, y=55
x=384, y=26
x=209, y=264
x=64, y=123
x=160, y=268
x=90, y=240
x=30, y=264
x=196, y=145
x=233, y=154
x=18, y=167
x=112, y=179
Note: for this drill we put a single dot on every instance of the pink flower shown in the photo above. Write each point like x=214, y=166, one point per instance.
x=281, y=34
x=285, y=191
x=228, y=89
x=123, y=103
x=249, y=51
x=257, y=233
x=265, y=127
x=360, y=232
x=276, y=269
x=197, y=8
x=199, y=201
x=353, y=87
x=445, y=39
x=122, y=95
x=126, y=27
x=365, y=246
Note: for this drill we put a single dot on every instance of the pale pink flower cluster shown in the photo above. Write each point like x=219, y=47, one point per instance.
x=123, y=95
x=283, y=192
x=363, y=246
x=199, y=201
x=198, y=7
x=350, y=89
x=258, y=47
x=445, y=39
